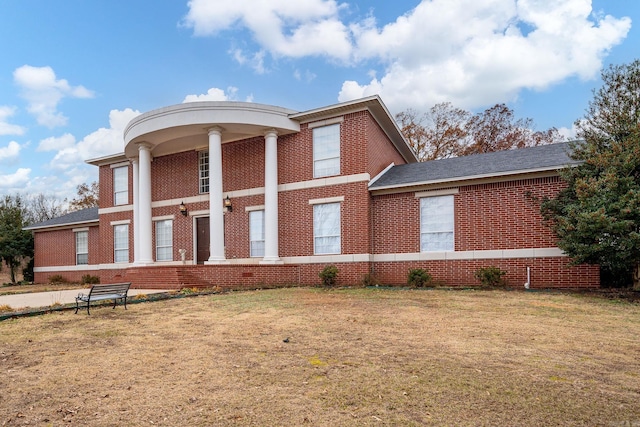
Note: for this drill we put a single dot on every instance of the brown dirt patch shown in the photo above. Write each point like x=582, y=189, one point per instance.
x=351, y=357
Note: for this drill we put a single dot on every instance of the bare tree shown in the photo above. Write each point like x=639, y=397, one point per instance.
x=445, y=131
x=497, y=129
x=42, y=207
x=436, y=134
x=88, y=196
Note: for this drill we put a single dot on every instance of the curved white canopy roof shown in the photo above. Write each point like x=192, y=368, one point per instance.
x=186, y=126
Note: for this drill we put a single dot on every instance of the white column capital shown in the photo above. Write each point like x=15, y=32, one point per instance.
x=215, y=130
x=270, y=133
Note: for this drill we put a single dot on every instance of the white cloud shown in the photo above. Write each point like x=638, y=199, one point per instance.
x=14, y=182
x=11, y=151
x=307, y=76
x=8, y=128
x=472, y=53
x=57, y=143
x=102, y=142
x=475, y=53
x=43, y=92
x=216, y=94
x=282, y=27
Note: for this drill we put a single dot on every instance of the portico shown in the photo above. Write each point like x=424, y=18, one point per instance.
x=206, y=125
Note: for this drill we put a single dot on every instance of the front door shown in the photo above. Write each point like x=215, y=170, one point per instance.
x=202, y=239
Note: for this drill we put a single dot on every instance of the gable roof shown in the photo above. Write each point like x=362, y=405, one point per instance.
x=83, y=216
x=549, y=157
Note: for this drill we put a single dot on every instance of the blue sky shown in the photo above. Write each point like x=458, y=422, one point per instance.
x=74, y=72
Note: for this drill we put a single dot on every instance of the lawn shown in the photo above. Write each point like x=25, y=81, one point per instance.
x=328, y=358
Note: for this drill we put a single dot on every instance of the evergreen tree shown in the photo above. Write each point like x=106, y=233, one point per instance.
x=597, y=217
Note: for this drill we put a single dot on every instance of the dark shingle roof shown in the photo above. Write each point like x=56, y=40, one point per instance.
x=76, y=217
x=508, y=162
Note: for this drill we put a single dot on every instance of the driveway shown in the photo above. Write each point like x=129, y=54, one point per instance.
x=45, y=299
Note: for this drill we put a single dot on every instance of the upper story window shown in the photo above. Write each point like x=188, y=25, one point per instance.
x=436, y=223
x=203, y=171
x=121, y=185
x=326, y=151
x=82, y=247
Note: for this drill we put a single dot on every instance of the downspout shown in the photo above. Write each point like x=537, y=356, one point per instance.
x=528, y=284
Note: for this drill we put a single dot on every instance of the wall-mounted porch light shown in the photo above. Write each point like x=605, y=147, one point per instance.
x=227, y=204
x=183, y=209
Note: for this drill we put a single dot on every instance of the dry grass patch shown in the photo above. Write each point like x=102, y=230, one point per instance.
x=319, y=357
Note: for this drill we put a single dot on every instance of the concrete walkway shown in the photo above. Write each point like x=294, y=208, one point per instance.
x=45, y=299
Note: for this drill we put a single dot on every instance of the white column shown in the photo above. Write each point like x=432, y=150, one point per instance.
x=136, y=207
x=271, y=198
x=216, y=215
x=144, y=210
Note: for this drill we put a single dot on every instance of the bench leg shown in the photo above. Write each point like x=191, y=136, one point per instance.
x=114, y=303
x=125, y=302
x=77, y=306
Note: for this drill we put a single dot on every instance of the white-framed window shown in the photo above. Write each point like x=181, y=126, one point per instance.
x=326, y=151
x=326, y=228
x=203, y=171
x=82, y=247
x=256, y=233
x=164, y=240
x=436, y=223
x=121, y=243
x=121, y=185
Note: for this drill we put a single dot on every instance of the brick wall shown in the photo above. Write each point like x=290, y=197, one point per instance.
x=545, y=272
x=380, y=152
x=493, y=216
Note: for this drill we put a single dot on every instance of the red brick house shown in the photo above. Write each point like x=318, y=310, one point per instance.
x=238, y=194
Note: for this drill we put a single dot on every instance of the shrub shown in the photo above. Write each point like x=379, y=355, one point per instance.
x=490, y=276
x=88, y=279
x=369, y=279
x=328, y=275
x=57, y=278
x=419, y=277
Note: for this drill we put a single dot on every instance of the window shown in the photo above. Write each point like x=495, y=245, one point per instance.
x=256, y=233
x=436, y=223
x=203, y=170
x=82, y=247
x=121, y=185
x=326, y=151
x=326, y=228
x=164, y=240
x=121, y=243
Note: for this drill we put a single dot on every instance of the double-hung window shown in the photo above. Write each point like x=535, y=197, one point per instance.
x=203, y=171
x=164, y=240
x=326, y=151
x=326, y=228
x=121, y=243
x=256, y=233
x=436, y=223
x=121, y=185
x=82, y=247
